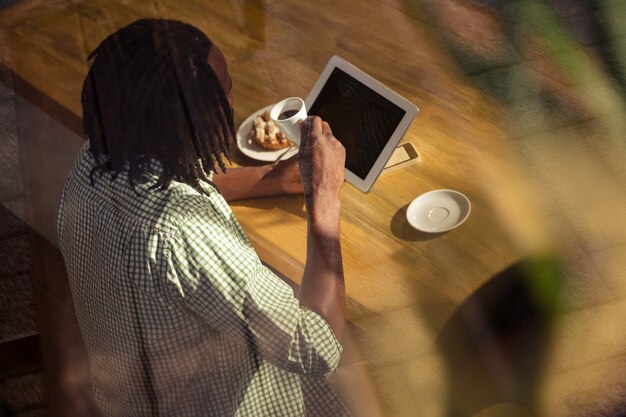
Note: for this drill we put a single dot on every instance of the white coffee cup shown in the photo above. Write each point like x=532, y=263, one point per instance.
x=289, y=125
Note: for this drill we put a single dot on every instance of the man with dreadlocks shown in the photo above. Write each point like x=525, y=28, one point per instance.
x=178, y=315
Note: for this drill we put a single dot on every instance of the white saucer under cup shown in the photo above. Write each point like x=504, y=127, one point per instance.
x=290, y=125
x=438, y=211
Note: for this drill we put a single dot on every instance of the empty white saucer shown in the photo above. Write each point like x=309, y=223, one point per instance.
x=438, y=211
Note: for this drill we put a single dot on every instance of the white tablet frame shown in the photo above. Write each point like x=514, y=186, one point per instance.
x=410, y=111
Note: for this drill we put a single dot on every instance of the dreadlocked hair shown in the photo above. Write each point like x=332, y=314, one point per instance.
x=151, y=95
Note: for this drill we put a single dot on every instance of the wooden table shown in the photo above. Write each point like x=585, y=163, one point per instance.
x=277, y=49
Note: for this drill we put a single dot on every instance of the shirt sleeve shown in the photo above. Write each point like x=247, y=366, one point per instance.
x=212, y=270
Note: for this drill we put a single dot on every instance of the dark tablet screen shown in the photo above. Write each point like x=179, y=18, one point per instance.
x=360, y=118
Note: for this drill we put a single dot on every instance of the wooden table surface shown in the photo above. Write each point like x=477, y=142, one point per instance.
x=277, y=49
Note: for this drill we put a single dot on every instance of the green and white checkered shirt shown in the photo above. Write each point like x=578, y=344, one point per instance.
x=178, y=315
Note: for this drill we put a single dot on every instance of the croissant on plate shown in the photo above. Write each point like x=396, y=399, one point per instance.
x=267, y=134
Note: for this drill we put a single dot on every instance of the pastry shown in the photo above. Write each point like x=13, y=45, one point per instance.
x=266, y=133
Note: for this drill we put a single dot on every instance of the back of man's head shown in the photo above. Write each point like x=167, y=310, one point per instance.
x=151, y=94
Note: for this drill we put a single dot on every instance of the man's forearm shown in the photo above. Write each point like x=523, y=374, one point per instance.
x=247, y=182
x=322, y=288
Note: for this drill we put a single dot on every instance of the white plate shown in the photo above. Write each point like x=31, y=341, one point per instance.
x=438, y=211
x=250, y=148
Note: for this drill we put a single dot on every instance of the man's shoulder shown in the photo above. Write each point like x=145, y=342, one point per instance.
x=179, y=206
x=182, y=206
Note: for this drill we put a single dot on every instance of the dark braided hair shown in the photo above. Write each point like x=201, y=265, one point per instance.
x=151, y=94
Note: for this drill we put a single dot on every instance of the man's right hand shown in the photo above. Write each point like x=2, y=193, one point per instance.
x=322, y=160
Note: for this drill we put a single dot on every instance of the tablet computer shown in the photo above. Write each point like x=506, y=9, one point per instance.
x=368, y=118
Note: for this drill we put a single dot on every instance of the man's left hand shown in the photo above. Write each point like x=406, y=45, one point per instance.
x=286, y=175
